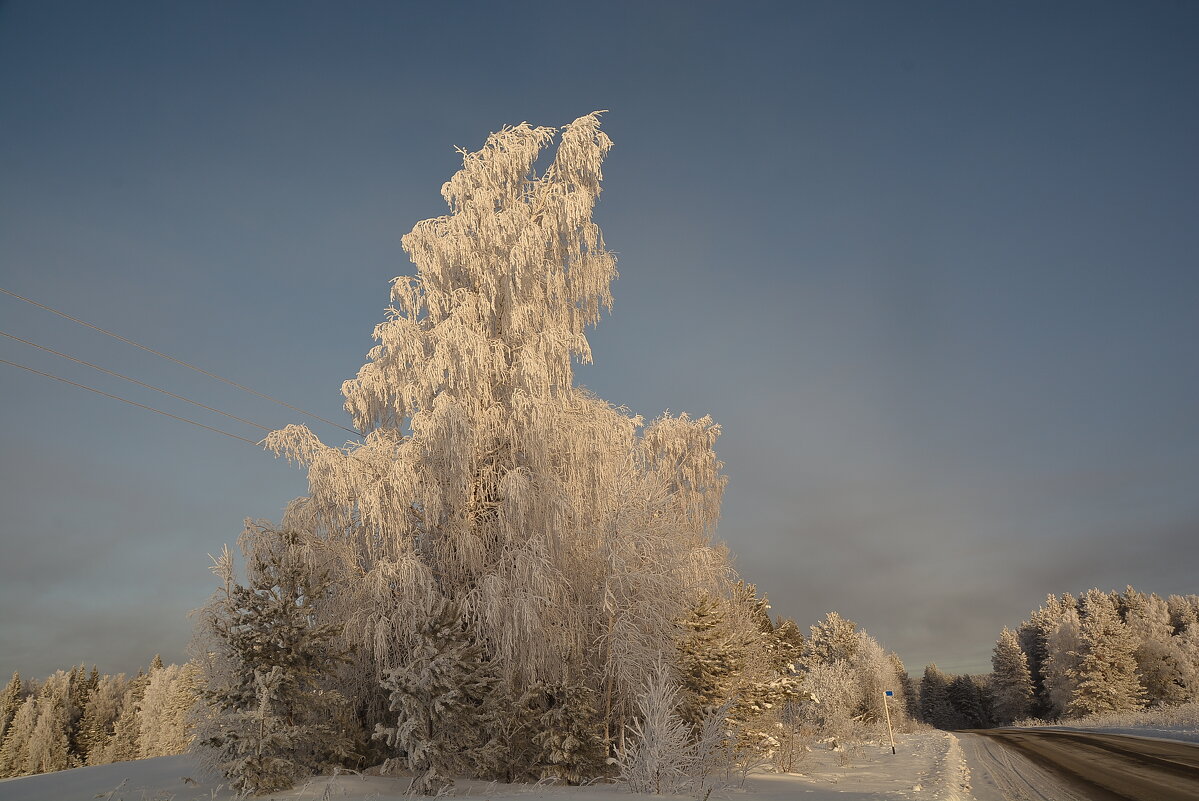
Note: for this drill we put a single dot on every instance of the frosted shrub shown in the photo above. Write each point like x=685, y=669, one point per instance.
x=658, y=756
x=714, y=748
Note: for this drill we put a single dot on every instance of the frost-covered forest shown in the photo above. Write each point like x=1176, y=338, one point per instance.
x=1103, y=652
x=1076, y=658
x=78, y=717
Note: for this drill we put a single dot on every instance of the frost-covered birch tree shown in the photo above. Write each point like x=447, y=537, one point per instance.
x=571, y=535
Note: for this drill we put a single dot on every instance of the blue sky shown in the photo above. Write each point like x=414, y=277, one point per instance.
x=931, y=265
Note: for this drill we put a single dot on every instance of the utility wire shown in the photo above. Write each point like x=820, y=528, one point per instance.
x=132, y=403
x=178, y=361
x=135, y=381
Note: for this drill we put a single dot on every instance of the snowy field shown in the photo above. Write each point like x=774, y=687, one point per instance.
x=928, y=766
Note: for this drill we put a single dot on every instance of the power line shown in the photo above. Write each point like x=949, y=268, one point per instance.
x=178, y=361
x=132, y=403
x=135, y=381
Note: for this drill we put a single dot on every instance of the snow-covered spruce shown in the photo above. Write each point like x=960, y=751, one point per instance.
x=567, y=742
x=1011, y=681
x=271, y=716
x=442, y=693
x=1106, y=676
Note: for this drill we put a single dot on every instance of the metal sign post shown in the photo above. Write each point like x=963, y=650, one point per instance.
x=887, y=694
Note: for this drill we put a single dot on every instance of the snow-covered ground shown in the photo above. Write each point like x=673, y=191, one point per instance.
x=1179, y=723
x=1182, y=735
x=931, y=765
x=928, y=765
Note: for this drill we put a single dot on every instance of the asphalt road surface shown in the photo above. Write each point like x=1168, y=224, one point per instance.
x=1100, y=767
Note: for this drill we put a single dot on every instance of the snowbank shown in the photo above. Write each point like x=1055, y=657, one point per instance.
x=927, y=766
x=1180, y=723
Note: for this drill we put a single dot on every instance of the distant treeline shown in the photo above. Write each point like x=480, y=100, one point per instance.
x=79, y=717
x=1102, y=652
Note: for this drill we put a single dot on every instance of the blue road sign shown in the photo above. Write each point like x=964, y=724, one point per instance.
x=888, y=692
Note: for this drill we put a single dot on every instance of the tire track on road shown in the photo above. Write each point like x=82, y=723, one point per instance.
x=1107, y=767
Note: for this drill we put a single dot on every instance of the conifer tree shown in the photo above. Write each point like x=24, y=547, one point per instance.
x=1032, y=636
x=166, y=705
x=911, y=697
x=568, y=734
x=731, y=658
x=831, y=639
x=1107, y=672
x=1064, y=648
x=49, y=749
x=511, y=722
x=10, y=701
x=14, y=751
x=100, y=715
x=1188, y=645
x=709, y=660
x=271, y=720
x=137, y=685
x=1183, y=612
x=1011, y=681
x=259, y=744
x=438, y=692
x=935, y=708
x=125, y=745
x=767, y=678
x=965, y=696
x=789, y=644
x=905, y=699
x=1164, y=669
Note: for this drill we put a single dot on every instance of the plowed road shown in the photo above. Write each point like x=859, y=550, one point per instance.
x=1108, y=767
